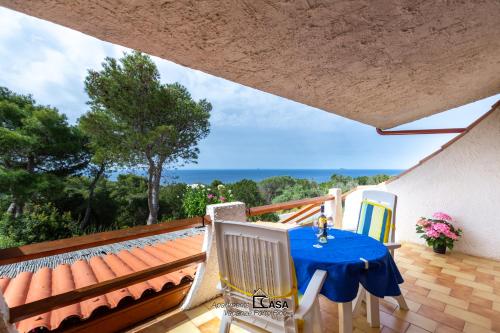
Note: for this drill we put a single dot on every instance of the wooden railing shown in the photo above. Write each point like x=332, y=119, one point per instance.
x=39, y=250
x=253, y=211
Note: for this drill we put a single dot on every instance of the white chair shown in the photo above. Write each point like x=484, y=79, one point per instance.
x=255, y=260
x=388, y=200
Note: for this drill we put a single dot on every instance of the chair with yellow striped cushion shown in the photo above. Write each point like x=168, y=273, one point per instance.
x=377, y=219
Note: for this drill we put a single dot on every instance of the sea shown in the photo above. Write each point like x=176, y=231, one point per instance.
x=200, y=176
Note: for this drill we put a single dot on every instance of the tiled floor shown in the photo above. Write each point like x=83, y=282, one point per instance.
x=446, y=294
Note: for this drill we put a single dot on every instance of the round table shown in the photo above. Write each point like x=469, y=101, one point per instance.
x=341, y=258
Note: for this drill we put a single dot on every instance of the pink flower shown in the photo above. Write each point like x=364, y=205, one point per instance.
x=222, y=199
x=210, y=196
x=441, y=227
x=451, y=234
x=432, y=233
x=423, y=223
x=442, y=216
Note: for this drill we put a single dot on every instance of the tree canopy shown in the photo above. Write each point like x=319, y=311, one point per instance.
x=142, y=121
x=37, y=146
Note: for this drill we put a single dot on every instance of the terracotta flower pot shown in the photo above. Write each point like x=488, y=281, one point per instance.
x=439, y=248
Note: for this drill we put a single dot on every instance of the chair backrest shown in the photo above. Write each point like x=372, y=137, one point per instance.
x=252, y=259
x=377, y=215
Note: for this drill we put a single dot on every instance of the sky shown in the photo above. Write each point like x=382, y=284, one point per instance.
x=250, y=129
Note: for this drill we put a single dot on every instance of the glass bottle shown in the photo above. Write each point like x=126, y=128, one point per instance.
x=323, y=225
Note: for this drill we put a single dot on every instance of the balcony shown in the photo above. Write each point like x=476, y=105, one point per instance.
x=452, y=293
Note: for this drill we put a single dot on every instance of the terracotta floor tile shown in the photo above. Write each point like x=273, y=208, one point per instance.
x=416, y=289
x=420, y=275
x=419, y=298
x=393, y=322
x=441, y=317
x=459, y=273
x=415, y=329
x=417, y=319
x=446, y=329
x=470, y=317
x=210, y=326
x=474, y=285
x=448, y=299
x=433, y=286
x=471, y=328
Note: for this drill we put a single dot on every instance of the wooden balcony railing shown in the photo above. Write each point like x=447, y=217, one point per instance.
x=39, y=250
x=253, y=211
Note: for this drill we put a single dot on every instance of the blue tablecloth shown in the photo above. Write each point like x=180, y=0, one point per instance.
x=340, y=257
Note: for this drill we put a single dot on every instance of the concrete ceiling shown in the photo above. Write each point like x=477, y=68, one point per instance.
x=383, y=63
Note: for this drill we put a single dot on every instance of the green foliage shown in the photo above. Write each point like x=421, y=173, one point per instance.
x=6, y=242
x=38, y=224
x=301, y=189
x=247, y=191
x=274, y=186
x=347, y=183
x=38, y=148
x=129, y=193
x=142, y=121
x=171, y=199
x=198, y=196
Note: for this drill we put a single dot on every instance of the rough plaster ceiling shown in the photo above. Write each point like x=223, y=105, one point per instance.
x=383, y=63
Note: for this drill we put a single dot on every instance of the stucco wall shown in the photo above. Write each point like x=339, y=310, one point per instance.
x=463, y=180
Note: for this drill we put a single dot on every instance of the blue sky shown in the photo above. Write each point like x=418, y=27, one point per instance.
x=250, y=128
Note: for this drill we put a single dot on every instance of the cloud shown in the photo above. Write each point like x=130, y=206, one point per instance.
x=250, y=128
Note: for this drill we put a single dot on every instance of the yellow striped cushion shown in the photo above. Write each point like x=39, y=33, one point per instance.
x=375, y=221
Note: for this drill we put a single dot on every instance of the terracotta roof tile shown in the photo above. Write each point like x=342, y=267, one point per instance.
x=27, y=287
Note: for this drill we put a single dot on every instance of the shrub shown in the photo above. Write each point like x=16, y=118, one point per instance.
x=39, y=223
x=198, y=196
x=247, y=191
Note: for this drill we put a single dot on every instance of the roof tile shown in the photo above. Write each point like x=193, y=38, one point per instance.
x=27, y=287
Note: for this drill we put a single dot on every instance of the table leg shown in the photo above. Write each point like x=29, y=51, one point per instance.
x=345, y=317
x=372, y=310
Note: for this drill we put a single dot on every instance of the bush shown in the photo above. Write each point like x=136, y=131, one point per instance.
x=171, y=199
x=39, y=223
x=198, y=196
x=300, y=190
x=248, y=192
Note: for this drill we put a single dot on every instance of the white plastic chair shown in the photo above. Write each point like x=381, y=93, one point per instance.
x=390, y=201
x=254, y=259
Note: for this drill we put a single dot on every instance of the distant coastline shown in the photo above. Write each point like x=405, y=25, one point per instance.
x=206, y=176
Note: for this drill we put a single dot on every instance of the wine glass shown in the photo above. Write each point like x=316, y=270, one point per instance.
x=330, y=225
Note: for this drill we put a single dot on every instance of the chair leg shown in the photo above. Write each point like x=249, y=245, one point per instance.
x=312, y=322
x=225, y=324
x=345, y=317
x=317, y=322
x=359, y=300
x=402, y=302
x=372, y=310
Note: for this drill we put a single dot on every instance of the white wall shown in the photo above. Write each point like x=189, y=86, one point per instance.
x=463, y=181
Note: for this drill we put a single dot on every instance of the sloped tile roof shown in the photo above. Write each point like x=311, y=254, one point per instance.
x=31, y=286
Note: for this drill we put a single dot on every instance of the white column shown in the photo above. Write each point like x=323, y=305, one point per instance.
x=5, y=325
x=333, y=208
x=205, y=282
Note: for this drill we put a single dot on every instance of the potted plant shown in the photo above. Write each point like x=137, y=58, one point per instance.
x=438, y=231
